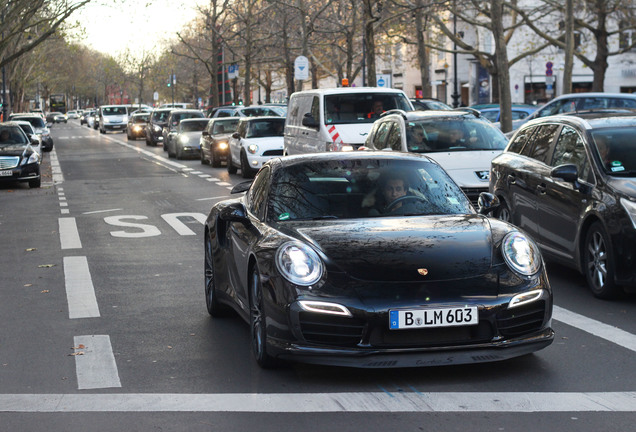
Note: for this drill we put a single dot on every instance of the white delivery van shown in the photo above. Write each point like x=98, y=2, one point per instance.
x=337, y=119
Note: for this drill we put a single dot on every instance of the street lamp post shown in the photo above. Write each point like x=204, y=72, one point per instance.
x=455, y=94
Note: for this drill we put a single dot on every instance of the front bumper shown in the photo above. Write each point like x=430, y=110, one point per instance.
x=114, y=127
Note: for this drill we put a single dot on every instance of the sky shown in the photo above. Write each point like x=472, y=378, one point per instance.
x=113, y=26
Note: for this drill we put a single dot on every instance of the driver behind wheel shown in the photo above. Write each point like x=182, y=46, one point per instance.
x=395, y=197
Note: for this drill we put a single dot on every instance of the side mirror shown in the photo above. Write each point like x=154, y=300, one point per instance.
x=242, y=187
x=309, y=121
x=236, y=135
x=205, y=133
x=234, y=212
x=486, y=203
x=568, y=173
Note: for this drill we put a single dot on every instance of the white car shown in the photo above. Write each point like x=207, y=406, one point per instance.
x=256, y=140
x=461, y=141
x=36, y=141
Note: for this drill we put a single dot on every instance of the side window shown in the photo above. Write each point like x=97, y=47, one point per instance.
x=257, y=195
x=562, y=106
x=570, y=149
x=379, y=140
x=315, y=108
x=292, y=118
x=521, y=139
x=540, y=147
x=395, y=137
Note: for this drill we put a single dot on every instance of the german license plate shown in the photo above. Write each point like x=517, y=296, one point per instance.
x=6, y=173
x=426, y=318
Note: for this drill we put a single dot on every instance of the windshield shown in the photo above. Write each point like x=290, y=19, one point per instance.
x=458, y=134
x=114, y=111
x=260, y=112
x=36, y=121
x=140, y=118
x=265, y=128
x=364, y=188
x=225, y=126
x=12, y=135
x=362, y=107
x=160, y=116
x=616, y=148
x=194, y=125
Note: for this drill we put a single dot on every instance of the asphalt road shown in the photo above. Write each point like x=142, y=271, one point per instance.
x=104, y=326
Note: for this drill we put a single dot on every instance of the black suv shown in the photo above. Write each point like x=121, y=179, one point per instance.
x=570, y=182
x=154, y=128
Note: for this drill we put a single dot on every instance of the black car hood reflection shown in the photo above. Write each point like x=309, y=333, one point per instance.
x=625, y=186
x=442, y=247
x=14, y=149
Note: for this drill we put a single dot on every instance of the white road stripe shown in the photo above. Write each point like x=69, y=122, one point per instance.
x=80, y=293
x=69, y=236
x=56, y=171
x=322, y=402
x=96, y=367
x=597, y=328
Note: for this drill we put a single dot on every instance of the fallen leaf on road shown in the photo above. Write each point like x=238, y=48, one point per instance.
x=77, y=353
x=28, y=285
x=44, y=291
x=30, y=249
x=80, y=346
x=46, y=265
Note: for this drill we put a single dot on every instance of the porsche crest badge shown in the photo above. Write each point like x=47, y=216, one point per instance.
x=422, y=271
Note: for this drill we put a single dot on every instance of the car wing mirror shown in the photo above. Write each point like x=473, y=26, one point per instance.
x=236, y=135
x=234, y=212
x=205, y=133
x=309, y=121
x=242, y=187
x=486, y=203
x=567, y=172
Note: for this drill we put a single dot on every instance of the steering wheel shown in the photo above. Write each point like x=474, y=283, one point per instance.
x=391, y=206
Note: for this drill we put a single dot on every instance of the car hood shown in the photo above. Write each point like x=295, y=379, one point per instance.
x=466, y=168
x=625, y=186
x=270, y=143
x=351, y=133
x=14, y=149
x=402, y=248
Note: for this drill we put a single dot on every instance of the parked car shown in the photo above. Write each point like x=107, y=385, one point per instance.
x=19, y=161
x=337, y=119
x=41, y=129
x=56, y=117
x=425, y=104
x=256, y=140
x=570, y=182
x=154, y=128
x=172, y=123
x=187, y=141
x=112, y=118
x=320, y=280
x=214, y=140
x=136, y=127
x=576, y=102
x=461, y=141
x=247, y=111
x=34, y=138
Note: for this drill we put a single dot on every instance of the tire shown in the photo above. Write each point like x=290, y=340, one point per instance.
x=215, y=308
x=598, y=263
x=35, y=183
x=178, y=153
x=128, y=137
x=258, y=321
x=214, y=160
x=503, y=212
x=202, y=156
x=230, y=166
x=246, y=171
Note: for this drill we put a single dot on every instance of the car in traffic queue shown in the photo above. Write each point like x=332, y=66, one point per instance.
x=570, y=182
x=214, y=140
x=172, y=123
x=256, y=140
x=84, y=117
x=19, y=161
x=36, y=141
x=40, y=127
x=154, y=128
x=187, y=141
x=112, y=118
x=321, y=278
x=460, y=140
x=247, y=111
x=425, y=104
x=73, y=114
x=136, y=127
x=56, y=117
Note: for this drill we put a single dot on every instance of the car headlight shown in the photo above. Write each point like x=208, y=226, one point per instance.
x=252, y=148
x=136, y=128
x=630, y=208
x=106, y=120
x=299, y=263
x=33, y=158
x=183, y=139
x=222, y=145
x=521, y=254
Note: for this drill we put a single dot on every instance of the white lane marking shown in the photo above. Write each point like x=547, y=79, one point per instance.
x=69, y=236
x=80, y=293
x=96, y=367
x=213, y=198
x=224, y=184
x=101, y=211
x=65, y=211
x=597, y=328
x=145, y=229
x=56, y=171
x=323, y=402
x=173, y=220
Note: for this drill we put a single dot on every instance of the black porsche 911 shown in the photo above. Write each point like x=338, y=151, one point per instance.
x=369, y=259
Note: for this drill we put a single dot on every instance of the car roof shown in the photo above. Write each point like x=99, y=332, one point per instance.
x=596, y=94
x=348, y=90
x=300, y=159
x=256, y=118
x=592, y=119
x=418, y=115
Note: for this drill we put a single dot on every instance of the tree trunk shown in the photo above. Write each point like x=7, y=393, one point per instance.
x=422, y=51
x=501, y=62
x=602, y=50
x=569, y=46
